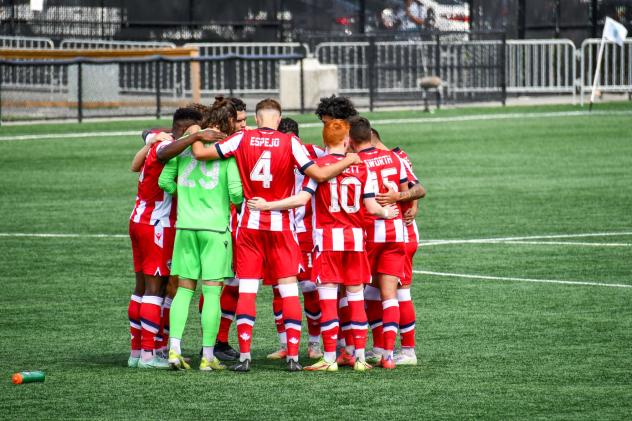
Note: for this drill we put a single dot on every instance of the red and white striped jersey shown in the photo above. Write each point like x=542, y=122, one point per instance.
x=266, y=159
x=411, y=233
x=153, y=205
x=339, y=214
x=303, y=214
x=390, y=171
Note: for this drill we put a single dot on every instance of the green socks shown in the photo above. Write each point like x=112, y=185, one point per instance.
x=211, y=314
x=180, y=312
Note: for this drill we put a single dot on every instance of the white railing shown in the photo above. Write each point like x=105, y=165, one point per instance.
x=250, y=77
x=26, y=43
x=29, y=77
x=616, y=67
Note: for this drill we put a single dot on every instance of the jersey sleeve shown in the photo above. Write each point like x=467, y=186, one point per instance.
x=235, y=188
x=309, y=186
x=301, y=160
x=167, y=179
x=412, y=178
x=227, y=147
x=403, y=173
x=368, y=189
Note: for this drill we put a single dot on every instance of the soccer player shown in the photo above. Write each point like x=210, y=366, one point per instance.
x=339, y=218
x=407, y=355
x=152, y=235
x=203, y=245
x=266, y=159
x=240, y=107
x=335, y=107
x=385, y=238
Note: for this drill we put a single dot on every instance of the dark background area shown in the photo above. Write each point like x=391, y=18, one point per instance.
x=289, y=20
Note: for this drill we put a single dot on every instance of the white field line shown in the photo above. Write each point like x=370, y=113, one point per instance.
x=527, y=238
x=503, y=278
x=567, y=243
x=427, y=120
x=54, y=235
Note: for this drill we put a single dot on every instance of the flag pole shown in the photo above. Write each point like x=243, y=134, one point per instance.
x=597, y=71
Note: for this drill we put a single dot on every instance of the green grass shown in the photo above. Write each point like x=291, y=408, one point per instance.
x=488, y=349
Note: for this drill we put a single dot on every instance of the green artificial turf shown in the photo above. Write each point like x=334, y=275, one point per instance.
x=492, y=349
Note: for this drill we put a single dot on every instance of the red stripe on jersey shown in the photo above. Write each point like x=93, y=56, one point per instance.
x=339, y=214
x=153, y=205
x=303, y=214
x=266, y=160
x=390, y=171
x=412, y=234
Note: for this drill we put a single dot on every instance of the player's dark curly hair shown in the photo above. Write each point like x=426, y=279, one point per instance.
x=204, y=110
x=187, y=114
x=238, y=104
x=287, y=125
x=223, y=115
x=338, y=107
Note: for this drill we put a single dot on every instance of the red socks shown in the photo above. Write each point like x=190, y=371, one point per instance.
x=277, y=309
x=246, y=314
x=406, y=318
x=164, y=322
x=133, y=313
x=311, y=304
x=345, y=321
x=390, y=318
x=291, y=318
x=150, y=310
x=374, y=313
x=228, y=302
x=329, y=319
x=358, y=320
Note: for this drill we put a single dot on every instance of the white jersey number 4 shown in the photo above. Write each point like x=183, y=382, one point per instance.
x=261, y=170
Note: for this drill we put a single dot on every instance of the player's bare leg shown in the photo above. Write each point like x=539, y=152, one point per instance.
x=390, y=317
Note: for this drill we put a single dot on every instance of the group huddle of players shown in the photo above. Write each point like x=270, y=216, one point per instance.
x=336, y=219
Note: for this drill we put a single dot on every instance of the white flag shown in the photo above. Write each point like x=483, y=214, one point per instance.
x=614, y=31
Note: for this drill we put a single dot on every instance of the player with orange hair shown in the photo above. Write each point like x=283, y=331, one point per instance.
x=339, y=217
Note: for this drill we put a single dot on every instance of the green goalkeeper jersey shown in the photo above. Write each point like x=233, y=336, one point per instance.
x=205, y=190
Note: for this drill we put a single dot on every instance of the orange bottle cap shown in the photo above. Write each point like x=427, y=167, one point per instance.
x=17, y=378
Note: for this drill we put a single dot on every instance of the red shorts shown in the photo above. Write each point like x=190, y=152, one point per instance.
x=266, y=254
x=411, y=249
x=387, y=258
x=152, y=247
x=342, y=267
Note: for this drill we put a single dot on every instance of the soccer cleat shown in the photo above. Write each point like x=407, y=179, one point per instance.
x=277, y=355
x=373, y=358
x=241, y=367
x=176, y=361
x=362, y=366
x=314, y=351
x=214, y=364
x=155, y=363
x=293, y=365
x=345, y=359
x=224, y=352
x=406, y=358
x=387, y=363
x=322, y=365
x=132, y=362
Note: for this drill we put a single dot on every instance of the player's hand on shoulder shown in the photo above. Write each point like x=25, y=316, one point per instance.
x=387, y=198
x=160, y=137
x=391, y=211
x=211, y=135
x=258, y=203
x=354, y=158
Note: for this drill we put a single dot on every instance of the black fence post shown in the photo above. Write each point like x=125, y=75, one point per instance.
x=372, y=71
x=503, y=70
x=79, y=92
x=232, y=75
x=302, y=85
x=1, y=77
x=438, y=55
x=157, y=82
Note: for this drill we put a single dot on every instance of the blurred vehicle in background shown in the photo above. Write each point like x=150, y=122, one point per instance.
x=438, y=15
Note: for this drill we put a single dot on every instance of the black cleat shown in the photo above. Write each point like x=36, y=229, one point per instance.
x=293, y=365
x=224, y=352
x=241, y=367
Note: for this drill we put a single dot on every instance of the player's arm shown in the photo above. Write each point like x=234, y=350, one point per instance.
x=220, y=150
x=192, y=135
x=150, y=139
x=167, y=179
x=409, y=215
x=235, y=188
x=375, y=209
x=322, y=174
x=292, y=202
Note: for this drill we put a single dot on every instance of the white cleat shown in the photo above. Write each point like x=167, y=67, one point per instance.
x=406, y=357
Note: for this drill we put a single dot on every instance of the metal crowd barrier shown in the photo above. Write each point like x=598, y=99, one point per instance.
x=616, y=67
x=247, y=77
x=40, y=78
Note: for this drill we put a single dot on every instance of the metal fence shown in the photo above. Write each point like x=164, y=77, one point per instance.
x=616, y=67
